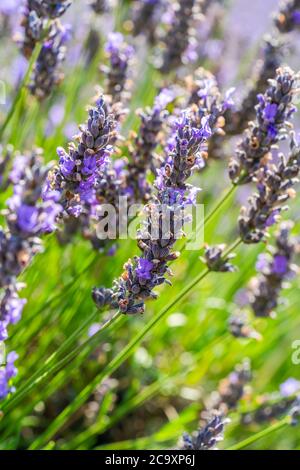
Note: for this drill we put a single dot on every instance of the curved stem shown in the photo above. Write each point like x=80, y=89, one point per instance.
x=259, y=435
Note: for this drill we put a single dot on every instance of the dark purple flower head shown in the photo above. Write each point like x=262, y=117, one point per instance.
x=144, y=268
x=280, y=265
x=27, y=218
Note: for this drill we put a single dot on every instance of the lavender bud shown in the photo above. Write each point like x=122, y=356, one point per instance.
x=239, y=327
x=233, y=388
x=272, y=114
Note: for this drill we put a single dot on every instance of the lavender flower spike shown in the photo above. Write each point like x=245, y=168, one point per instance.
x=120, y=55
x=38, y=14
x=288, y=17
x=207, y=437
x=79, y=167
x=265, y=289
x=47, y=73
x=178, y=35
x=148, y=271
x=274, y=188
x=142, y=156
x=273, y=112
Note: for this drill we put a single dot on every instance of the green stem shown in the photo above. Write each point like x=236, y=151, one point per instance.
x=259, y=435
x=22, y=87
x=112, y=366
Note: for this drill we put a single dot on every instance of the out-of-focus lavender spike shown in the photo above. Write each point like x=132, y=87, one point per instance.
x=273, y=112
x=216, y=260
x=177, y=37
x=7, y=373
x=272, y=53
x=120, y=55
x=146, y=17
x=100, y=6
x=39, y=14
x=288, y=17
x=240, y=327
x=207, y=437
x=274, y=188
x=205, y=95
x=142, y=156
x=156, y=241
x=47, y=72
x=264, y=290
x=27, y=216
x=233, y=388
x=79, y=167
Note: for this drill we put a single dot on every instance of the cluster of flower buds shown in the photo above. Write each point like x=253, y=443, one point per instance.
x=273, y=112
x=82, y=165
x=232, y=389
x=275, y=405
x=28, y=216
x=100, y=6
x=264, y=290
x=7, y=372
x=207, y=437
x=206, y=100
x=40, y=15
x=177, y=38
x=237, y=120
x=216, y=261
x=142, y=151
x=120, y=55
x=47, y=73
x=146, y=17
x=163, y=225
x=274, y=188
x=288, y=17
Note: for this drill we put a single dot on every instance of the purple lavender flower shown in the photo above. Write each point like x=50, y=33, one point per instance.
x=8, y=372
x=148, y=271
x=47, y=73
x=11, y=308
x=288, y=17
x=237, y=120
x=177, y=37
x=274, y=188
x=207, y=437
x=37, y=16
x=120, y=55
x=146, y=17
x=264, y=290
x=272, y=114
x=80, y=169
x=142, y=153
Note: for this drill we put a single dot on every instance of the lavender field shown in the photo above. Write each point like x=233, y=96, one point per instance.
x=149, y=225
